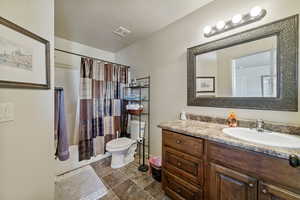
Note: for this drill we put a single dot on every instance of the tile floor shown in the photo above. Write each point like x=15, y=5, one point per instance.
x=127, y=183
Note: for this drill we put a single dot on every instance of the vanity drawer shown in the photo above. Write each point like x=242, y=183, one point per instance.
x=178, y=189
x=186, y=144
x=184, y=166
x=265, y=167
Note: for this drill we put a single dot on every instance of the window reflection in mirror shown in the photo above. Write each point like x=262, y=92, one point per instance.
x=244, y=70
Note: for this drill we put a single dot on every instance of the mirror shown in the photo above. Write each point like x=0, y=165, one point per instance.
x=244, y=70
x=255, y=69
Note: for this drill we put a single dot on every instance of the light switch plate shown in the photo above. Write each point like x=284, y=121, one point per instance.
x=1, y=112
x=6, y=112
x=9, y=114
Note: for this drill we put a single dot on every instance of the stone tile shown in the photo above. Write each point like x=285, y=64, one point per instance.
x=102, y=167
x=155, y=189
x=131, y=170
x=110, y=196
x=136, y=160
x=114, y=178
x=133, y=164
x=104, y=182
x=141, y=195
x=127, y=183
x=128, y=190
x=166, y=198
x=142, y=179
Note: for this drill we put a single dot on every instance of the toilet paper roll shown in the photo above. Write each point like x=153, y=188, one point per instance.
x=140, y=140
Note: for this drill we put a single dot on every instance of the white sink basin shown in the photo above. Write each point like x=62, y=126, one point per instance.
x=265, y=138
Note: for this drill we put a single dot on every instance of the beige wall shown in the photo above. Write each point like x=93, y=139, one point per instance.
x=163, y=56
x=73, y=61
x=26, y=144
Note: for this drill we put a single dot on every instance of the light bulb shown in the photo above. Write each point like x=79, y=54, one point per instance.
x=256, y=11
x=236, y=19
x=220, y=25
x=207, y=29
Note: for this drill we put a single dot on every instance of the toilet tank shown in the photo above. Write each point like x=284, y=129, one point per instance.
x=134, y=129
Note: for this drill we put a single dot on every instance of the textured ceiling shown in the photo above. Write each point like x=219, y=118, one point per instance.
x=91, y=22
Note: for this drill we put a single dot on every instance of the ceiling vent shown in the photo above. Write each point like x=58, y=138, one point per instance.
x=121, y=31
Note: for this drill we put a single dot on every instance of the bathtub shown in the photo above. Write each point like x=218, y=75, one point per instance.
x=72, y=163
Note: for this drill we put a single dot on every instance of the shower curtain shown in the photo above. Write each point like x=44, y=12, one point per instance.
x=101, y=105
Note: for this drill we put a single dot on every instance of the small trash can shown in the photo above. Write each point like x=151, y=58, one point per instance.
x=155, y=167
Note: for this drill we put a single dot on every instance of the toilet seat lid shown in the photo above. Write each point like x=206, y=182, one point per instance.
x=119, y=143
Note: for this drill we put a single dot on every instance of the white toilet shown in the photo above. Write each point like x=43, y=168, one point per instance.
x=123, y=149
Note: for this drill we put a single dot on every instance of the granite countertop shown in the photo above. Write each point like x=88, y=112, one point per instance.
x=213, y=132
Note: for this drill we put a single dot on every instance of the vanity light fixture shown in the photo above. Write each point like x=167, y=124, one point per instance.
x=221, y=25
x=207, y=29
x=256, y=11
x=236, y=19
x=255, y=14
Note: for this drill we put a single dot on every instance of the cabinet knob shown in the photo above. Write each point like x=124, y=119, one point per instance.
x=179, y=164
x=264, y=191
x=251, y=185
x=294, y=161
x=178, y=141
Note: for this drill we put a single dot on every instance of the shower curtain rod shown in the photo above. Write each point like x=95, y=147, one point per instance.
x=76, y=54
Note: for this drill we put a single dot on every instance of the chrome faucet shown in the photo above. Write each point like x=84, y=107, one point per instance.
x=260, y=125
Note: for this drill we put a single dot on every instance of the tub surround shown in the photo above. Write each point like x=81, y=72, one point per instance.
x=213, y=132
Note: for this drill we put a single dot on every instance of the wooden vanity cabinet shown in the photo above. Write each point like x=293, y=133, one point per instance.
x=196, y=169
x=228, y=184
x=183, y=170
x=272, y=192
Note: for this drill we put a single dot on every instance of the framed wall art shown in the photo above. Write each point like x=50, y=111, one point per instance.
x=24, y=58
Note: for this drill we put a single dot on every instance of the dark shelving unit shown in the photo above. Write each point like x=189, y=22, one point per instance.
x=142, y=146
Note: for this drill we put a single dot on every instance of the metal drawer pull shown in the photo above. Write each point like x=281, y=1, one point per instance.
x=178, y=190
x=178, y=141
x=294, y=161
x=251, y=185
x=264, y=191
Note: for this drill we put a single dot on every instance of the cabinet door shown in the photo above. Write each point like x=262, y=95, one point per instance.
x=271, y=192
x=227, y=184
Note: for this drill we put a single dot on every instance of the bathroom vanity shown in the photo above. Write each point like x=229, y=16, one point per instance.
x=255, y=69
x=201, y=162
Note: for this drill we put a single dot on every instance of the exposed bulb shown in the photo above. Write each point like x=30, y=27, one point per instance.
x=256, y=11
x=207, y=29
x=236, y=19
x=220, y=25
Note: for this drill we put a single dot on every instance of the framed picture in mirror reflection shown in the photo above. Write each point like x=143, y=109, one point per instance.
x=205, y=84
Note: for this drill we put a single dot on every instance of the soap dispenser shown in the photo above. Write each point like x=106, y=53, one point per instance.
x=183, y=116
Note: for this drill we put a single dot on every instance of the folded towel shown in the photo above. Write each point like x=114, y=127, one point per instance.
x=134, y=107
x=134, y=97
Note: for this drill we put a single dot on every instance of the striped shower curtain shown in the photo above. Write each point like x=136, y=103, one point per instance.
x=101, y=104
